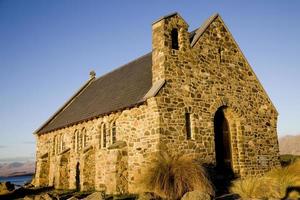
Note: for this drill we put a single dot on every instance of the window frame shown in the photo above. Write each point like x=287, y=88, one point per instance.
x=175, y=39
x=113, y=133
x=103, y=136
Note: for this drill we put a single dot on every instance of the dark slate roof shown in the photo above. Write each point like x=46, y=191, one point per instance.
x=121, y=88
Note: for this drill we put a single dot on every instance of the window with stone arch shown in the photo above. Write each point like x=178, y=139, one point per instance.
x=99, y=132
x=54, y=145
x=174, y=39
x=103, y=135
x=75, y=140
x=113, y=132
x=57, y=144
x=78, y=141
x=190, y=126
x=84, y=137
x=62, y=143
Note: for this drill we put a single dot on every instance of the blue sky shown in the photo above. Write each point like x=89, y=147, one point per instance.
x=47, y=49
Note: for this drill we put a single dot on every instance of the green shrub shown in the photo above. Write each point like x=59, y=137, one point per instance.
x=171, y=177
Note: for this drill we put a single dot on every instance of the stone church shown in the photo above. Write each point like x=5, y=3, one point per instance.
x=193, y=94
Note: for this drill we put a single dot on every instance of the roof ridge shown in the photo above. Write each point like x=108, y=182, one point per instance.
x=142, y=64
x=122, y=66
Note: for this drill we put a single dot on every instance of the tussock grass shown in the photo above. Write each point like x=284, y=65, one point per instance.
x=171, y=177
x=273, y=184
x=251, y=188
x=282, y=178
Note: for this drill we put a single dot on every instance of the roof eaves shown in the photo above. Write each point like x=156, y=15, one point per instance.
x=97, y=116
x=156, y=87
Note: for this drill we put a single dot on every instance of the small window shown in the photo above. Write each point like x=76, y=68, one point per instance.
x=54, y=145
x=84, y=138
x=220, y=52
x=57, y=145
x=104, y=136
x=174, y=36
x=188, y=126
x=113, y=133
x=100, y=136
x=79, y=141
x=63, y=144
x=75, y=140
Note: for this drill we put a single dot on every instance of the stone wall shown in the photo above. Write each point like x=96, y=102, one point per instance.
x=64, y=170
x=199, y=80
x=88, y=177
x=111, y=168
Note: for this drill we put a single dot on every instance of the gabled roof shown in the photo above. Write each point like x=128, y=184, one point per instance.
x=125, y=87
x=121, y=88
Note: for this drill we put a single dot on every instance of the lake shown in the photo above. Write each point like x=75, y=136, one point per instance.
x=17, y=180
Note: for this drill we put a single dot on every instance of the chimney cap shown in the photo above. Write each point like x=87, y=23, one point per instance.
x=92, y=74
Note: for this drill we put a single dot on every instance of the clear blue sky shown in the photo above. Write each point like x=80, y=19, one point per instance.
x=47, y=49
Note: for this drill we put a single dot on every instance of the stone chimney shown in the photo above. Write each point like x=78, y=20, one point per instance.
x=169, y=37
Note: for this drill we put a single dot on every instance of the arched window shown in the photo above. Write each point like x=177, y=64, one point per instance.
x=53, y=145
x=113, y=133
x=103, y=136
x=100, y=135
x=57, y=144
x=174, y=37
x=62, y=143
x=188, y=126
x=74, y=141
x=84, y=138
x=79, y=141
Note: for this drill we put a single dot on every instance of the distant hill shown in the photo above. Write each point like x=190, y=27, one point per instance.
x=289, y=144
x=16, y=168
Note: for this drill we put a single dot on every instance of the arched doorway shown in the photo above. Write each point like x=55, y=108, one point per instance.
x=77, y=177
x=222, y=141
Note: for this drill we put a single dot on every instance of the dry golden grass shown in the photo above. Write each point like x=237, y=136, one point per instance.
x=282, y=178
x=272, y=185
x=171, y=178
x=251, y=188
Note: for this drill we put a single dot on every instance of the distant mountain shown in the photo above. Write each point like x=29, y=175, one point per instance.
x=289, y=144
x=16, y=168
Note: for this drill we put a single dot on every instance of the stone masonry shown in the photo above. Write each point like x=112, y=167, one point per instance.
x=202, y=74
